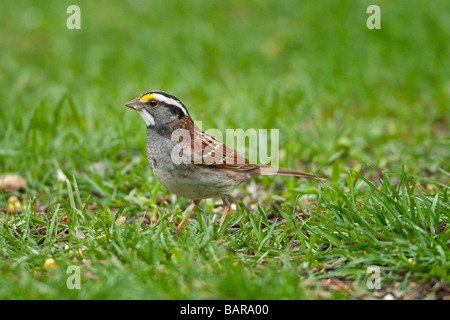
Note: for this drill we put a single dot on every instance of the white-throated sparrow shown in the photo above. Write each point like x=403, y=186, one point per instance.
x=190, y=162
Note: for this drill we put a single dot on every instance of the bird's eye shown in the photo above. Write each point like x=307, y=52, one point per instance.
x=153, y=103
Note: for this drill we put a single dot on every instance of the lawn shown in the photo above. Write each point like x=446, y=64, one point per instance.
x=367, y=109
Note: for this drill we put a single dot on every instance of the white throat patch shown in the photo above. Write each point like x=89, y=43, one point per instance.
x=148, y=118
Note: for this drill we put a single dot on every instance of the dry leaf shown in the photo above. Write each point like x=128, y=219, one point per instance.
x=90, y=275
x=14, y=205
x=80, y=234
x=121, y=220
x=389, y=296
x=98, y=168
x=60, y=175
x=50, y=263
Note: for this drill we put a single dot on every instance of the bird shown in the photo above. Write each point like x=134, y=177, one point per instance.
x=190, y=162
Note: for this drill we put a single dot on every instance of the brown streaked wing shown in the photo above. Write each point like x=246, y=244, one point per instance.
x=216, y=153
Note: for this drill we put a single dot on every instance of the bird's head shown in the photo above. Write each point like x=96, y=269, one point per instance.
x=159, y=109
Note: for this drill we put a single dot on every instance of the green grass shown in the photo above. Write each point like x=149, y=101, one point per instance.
x=368, y=109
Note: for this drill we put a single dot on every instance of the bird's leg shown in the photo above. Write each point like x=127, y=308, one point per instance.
x=226, y=207
x=195, y=205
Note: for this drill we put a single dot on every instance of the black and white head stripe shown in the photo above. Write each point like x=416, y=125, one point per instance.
x=164, y=98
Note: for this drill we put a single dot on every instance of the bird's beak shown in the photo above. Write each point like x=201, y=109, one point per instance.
x=135, y=104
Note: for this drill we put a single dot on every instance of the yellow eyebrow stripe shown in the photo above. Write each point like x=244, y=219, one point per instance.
x=146, y=97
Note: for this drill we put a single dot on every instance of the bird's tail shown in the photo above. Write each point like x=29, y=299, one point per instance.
x=269, y=171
